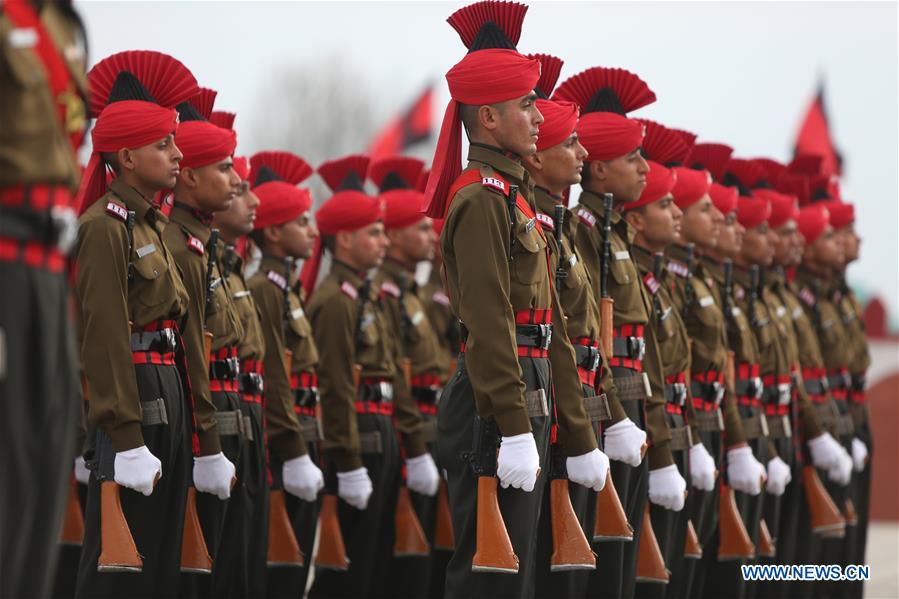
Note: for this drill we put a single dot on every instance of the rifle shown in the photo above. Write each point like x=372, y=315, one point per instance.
x=72, y=531
x=494, y=552
x=559, y=220
x=650, y=561
x=753, y=296
x=513, y=197
x=571, y=550
x=689, y=292
x=611, y=519
x=657, y=259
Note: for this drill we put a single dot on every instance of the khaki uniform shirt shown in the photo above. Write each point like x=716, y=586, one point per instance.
x=444, y=324
x=108, y=301
x=345, y=337
x=488, y=282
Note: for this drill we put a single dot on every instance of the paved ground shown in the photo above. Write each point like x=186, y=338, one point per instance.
x=883, y=556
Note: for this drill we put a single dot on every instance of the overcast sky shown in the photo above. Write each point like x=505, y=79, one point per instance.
x=735, y=72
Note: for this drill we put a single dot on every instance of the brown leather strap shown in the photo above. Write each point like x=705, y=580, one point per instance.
x=680, y=438
x=708, y=421
x=860, y=415
x=312, y=429
x=371, y=443
x=597, y=408
x=630, y=388
x=153, y=412
x=755, y=427
x=248, y=428
x=779, y=427
x=535, y=402
x=230, y=423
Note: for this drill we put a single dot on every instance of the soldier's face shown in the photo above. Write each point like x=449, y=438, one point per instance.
x=516, y=125
x=156, y=165
x=624, y=177
x=658, y=224
x=730, y=240
x=757, y=246
x=298, y=237
x=238, y=220
x=414, y=243
x=368, y=246
x=215, y=185
x=563, y=163
x=851, y=243
x=787, y=244
x=702, y=223
x=827, y=250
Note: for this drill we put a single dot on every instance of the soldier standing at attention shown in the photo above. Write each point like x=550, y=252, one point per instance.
x=42, y=125
x=499, y=282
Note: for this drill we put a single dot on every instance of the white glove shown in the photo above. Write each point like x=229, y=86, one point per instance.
x=744, y=472
x=859, y=454
x=421, y=475
x=825, y=451
x=589, y=469
x=624, y=442
x=302, y=478
x=518, y=462
x=702, y=468
x=137, y=469
x=779, y=476
x=82, y=474
x=214, y=474
x=667, y=488
x=354, y=487
x=841, y=471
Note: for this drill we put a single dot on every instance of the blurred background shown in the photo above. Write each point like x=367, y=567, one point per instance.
x=324, y=79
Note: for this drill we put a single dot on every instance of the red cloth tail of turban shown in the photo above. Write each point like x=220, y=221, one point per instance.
x=126, y=124
x=483, y=77
x=242, y=167
x=311, y=267
x=202, y=143
x=660, y=181
x=559, y=122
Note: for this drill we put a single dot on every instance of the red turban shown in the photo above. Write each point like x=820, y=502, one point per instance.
x=691, y=186
x=482, y=77
x=280, y=203
x=607, y=135
x=784, y=207
x=397, y=178
x=659, y=183
x=724, y=198
x=202, y=143
x=752, y=211
x=242, y=167
x=125, y=124
x=813, y=221
x=559, y=122
x=841, y=213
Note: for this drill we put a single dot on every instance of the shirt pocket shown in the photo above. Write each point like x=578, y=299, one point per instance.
x=150, y=276
x=529, y=256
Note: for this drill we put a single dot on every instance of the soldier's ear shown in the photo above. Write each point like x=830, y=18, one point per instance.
x=188, y=177
x=488, y=117
x=343, y=240
x=125, y=159
x=635, y=219
x=533, y=162
x=271, y=235
x=598, y=170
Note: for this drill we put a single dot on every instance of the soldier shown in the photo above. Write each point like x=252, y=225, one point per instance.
x=207, y=184
x=284, y=233
x=42, y=92
x=556, y=166
x=616, y=167
x=412, y=239
x=498, y=280
x=360, y=439
x=132, y=308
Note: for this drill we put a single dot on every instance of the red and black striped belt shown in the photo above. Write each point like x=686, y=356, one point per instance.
x=777, y=410
x=304, y=380
x=857, y=390
x=155, y=343
x=778, y=389
x=628, y=347
x=748, y=386
x=588, y=358
x=427, y=381
x=815, y=380
x=38, y=225
x=533, y=332
x=676, y=390
x=708, y=386
x=375, y=396
x=250, y=381
x=840, y=382
x=224, y=368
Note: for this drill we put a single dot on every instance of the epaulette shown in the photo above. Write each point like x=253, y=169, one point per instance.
x=349, y=290
x=678, y=268
x=195, y=245
x=806, y=295
x=278, y=279
x=441, y=298
x=546, y=221
x=651, y=283
x=495, y=183
x=390, y=289
x=586, y=217
x=117, y=210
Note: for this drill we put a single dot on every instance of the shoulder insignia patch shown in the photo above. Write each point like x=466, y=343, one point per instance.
x=277, y=279
x=678, y=268
x=349, y=290
x=441, y=298
x=651, y=283
x=807, y=296
x=495, y=184
x=195, y=245
x=586, y=217
x=390, y=289
x=117, y=211
x=546, y=221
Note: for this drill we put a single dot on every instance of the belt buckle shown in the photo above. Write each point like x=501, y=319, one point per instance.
x=783, y=393
x=680, y=393
x=594, y=362
x=546, y=335
x=757, y=386
x=65, y=222
x=385, y=389
x=169, y=338
x=719, y=392
x=637, y=346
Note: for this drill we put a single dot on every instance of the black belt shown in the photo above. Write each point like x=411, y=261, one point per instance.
x=708, y=392
x=676, y=393
x=779, y=394
x=50, y=228
x=224, y=370
x=377, y=392
x=587, y=357
x=305, y=397
x=858, y=383
x=839, y=381
x=816, y=386
x=425, y=395
x=629, y=347
x=251, y=382
x=533, y=335
x=749, y=387
x=162, y=341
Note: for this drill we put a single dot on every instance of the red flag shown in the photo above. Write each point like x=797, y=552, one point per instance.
x=409, y=128
x=814, y=137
